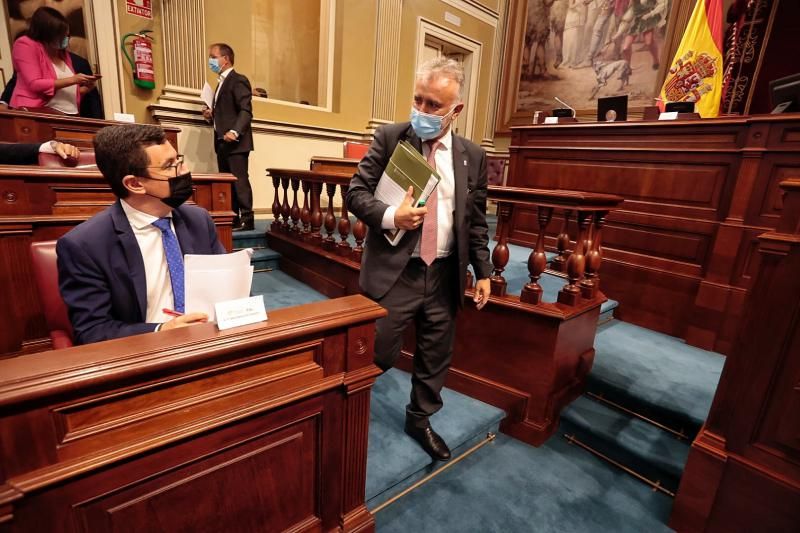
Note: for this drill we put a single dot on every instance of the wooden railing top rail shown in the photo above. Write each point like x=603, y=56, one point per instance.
x=315, y=176
x=575, y=200
x=326, y=159
x=42, y=375
x=58, y=119
x=49, y=173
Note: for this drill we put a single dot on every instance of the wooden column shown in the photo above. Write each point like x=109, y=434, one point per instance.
x=330, y=218
x=344, y=226
x=537, y=261
x=276, y=205
x=559, y=264
x=500, y=253
x=576, y=264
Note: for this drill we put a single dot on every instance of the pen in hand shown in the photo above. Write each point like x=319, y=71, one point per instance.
x=170, y=312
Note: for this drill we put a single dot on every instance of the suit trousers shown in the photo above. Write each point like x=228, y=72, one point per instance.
x=425, y=295
x=236, y=164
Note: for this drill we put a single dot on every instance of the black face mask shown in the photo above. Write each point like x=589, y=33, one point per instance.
x=180, y=190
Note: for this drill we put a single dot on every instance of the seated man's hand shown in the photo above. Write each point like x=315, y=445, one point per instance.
x=207, y=114
x=66, y=151
x=183, y=321
x=408, y=217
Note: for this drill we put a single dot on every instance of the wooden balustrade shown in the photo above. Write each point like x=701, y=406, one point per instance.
x=581, y=264
x=307, y=220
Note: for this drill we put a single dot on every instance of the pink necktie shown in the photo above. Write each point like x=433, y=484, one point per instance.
x=428, y=248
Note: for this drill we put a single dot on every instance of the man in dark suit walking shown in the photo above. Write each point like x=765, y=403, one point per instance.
x=422, y=279
x=121, y=269
x=231, y=115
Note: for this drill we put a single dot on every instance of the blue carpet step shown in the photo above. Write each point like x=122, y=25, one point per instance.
x=638, y=445
x=281, y=290
x=655, y=375
x=509, y=486
x=265, y=259
x=252, y=239
x=394, y=460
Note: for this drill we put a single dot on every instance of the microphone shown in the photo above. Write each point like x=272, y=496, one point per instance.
x=562, y=102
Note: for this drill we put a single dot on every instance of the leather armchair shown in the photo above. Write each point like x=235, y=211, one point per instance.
x=45, y=272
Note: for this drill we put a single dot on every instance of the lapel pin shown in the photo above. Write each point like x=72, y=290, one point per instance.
x=465, y=162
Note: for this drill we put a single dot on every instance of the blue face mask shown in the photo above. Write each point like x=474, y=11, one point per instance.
x=427, y=126
x=213, y=64
x=64, y=43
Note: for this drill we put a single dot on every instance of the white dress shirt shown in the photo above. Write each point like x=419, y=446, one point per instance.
x=156, y=271
x=446, y=190
x=222, y=76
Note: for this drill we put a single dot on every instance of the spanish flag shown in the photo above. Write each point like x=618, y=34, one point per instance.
x=695, y=74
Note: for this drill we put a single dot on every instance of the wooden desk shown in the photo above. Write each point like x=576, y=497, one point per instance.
x=41, y=204
x=27, y=127
x=680, y=256
x=262, y=427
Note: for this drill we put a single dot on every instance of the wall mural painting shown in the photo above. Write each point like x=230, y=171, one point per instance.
x=579, y=50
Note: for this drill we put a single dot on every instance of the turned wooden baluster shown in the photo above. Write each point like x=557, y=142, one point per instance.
x=305, y=213
x=316, y=213
x=330, y=218
x=537, y=261
x=594, y=258
x=562, y=243
x=360, y=233
x=285, y=211
x=500, y=253
x=295, y=207
x=276, y=204
x=576, y=263
x=344, y=226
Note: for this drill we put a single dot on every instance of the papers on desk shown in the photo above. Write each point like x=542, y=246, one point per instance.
x=207, y=95
x=406, y=168
x=210, y=279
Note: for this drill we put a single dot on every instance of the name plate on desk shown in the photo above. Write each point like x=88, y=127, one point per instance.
x=240, y=312
x=551, y=120
x=668, y=115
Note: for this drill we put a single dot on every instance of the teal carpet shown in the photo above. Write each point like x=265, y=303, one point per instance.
x=508, y=486
x=281, y=290
x=396, y=461
x=663, y=376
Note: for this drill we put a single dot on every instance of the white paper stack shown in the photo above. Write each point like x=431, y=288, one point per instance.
x=211, y=279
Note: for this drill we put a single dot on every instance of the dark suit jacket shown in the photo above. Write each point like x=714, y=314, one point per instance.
x=19, y=153
x=233, y=110
x=91, y=104
x=382, y=263
x=101, y=270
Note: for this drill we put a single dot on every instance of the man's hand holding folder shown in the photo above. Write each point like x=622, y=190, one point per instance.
x=406, y=183
x=407, y=216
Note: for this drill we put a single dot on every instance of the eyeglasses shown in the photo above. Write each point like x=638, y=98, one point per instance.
x=176, y=165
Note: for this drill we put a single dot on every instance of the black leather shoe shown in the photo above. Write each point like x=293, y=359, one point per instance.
x=245, y=227
x=430, y=441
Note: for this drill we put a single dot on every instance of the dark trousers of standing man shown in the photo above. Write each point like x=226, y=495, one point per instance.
x=236, y=164
x=425, y=295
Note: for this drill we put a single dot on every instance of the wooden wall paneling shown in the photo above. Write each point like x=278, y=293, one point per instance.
x=743, y=471
x=696, y=193
x=27, y=127
x=195, y=429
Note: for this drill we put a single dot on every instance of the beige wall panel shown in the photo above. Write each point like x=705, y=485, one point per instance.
x=277, y=151
x=470, y=27
x=354, y=53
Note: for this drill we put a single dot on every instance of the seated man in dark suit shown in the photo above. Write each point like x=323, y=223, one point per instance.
x=28, y=153
x=121, y=272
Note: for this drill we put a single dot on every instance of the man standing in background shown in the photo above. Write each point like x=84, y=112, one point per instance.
x=231, y=115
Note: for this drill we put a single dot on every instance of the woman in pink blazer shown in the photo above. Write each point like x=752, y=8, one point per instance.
x=45, y=75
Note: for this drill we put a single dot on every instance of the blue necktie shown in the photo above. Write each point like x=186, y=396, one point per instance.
x=172, y=251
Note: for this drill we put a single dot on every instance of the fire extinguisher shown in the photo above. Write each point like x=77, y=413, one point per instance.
x=144, y=75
